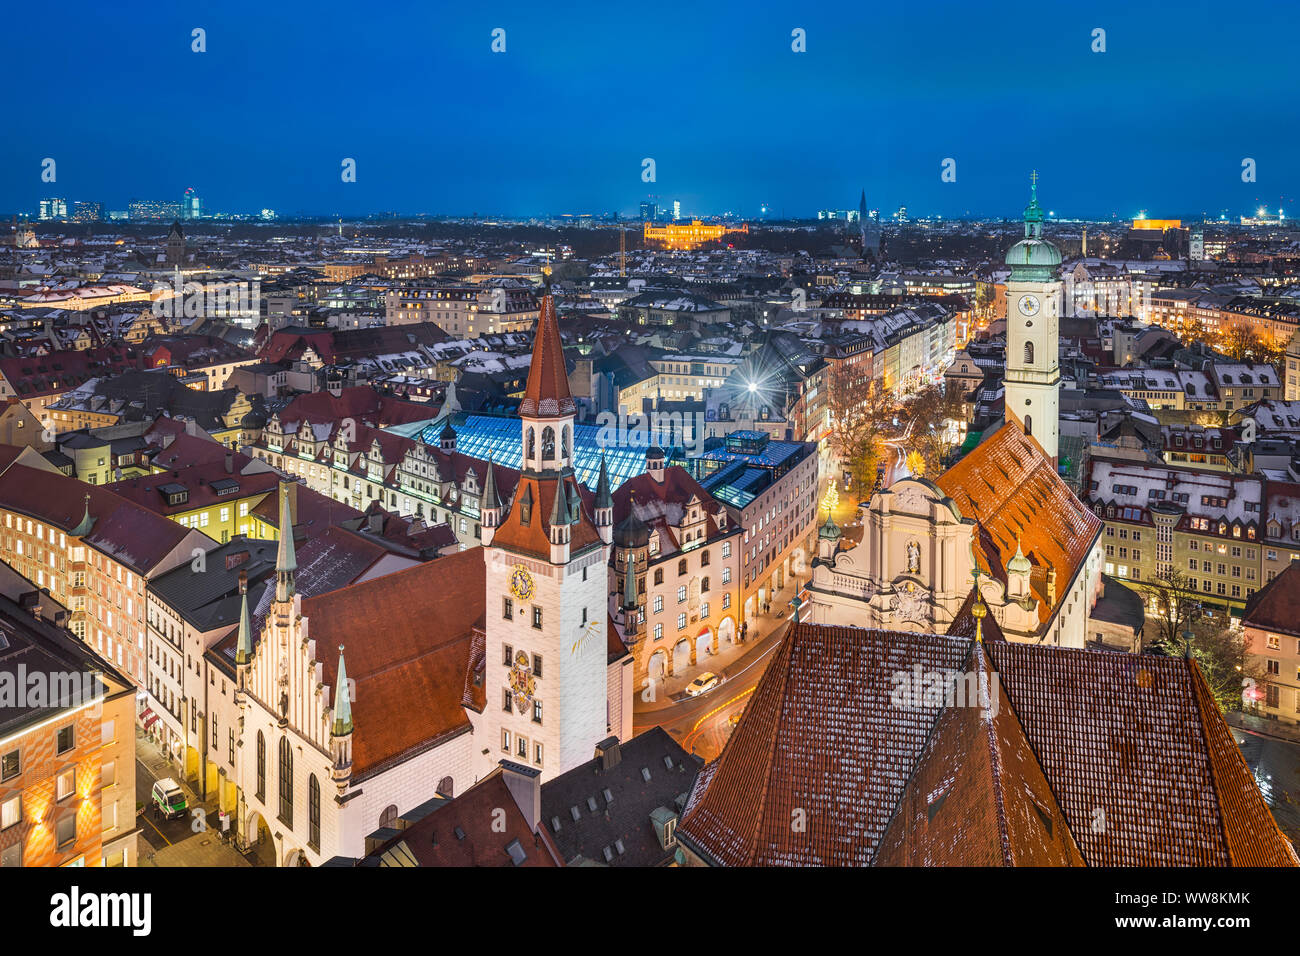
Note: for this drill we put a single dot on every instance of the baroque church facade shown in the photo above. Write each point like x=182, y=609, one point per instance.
x=1000, y=521
x=361, y=704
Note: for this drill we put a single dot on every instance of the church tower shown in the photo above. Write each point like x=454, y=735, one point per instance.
x=1033, y=375
x=547, y=601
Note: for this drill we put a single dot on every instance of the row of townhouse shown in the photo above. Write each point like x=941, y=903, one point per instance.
x=1229, y=535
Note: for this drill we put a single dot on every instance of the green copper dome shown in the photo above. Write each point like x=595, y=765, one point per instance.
x=1033, y=257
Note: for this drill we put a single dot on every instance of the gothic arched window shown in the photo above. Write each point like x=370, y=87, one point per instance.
x=564, y=443
x=1029, y=353
x=286, y=782
x=389, y=817
x=532, y=443
x=548, y=443
x=1029, y=425
x=261, y=766
x=313, y=812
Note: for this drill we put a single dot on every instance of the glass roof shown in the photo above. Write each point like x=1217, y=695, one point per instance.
x=499, y=437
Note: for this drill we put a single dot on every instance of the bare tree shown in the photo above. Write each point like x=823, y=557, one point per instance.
x=858, y=408
x=1173, y=605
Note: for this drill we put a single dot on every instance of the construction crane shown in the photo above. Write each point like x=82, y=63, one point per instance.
x=622, y=251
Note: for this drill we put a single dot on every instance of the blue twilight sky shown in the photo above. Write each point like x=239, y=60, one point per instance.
x=562, y=120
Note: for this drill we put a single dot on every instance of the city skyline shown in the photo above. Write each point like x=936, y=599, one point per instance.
x=542, y=129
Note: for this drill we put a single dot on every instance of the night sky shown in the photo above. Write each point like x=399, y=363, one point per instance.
x=561, y=121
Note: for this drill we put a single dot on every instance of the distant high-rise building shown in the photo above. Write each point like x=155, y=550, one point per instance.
x=52, y=209
x=87, y=211
x=154, y=209
x=191, y=205
x=649, y=211
x=677, y=210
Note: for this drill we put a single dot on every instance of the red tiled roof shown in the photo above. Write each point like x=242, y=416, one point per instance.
x=196, y=467
x=978, y=796
x=1138, y=738
x=1009, y=486
x=547, y=393
x=408, y=639
x=534, y=538
x=133, y=536
x=819, y=735
x=1276, y=606
x=1126, y=753
x=471, y=830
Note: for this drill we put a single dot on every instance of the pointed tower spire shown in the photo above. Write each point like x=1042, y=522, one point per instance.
x=547, y=393
x=604, y=499
x=244, y=647
x=342, y=701
x=490, y=497
x=604, y=505
x=286, y=562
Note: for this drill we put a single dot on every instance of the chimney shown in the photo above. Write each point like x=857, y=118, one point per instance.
x=375, y=522
x=608, y=754
x=525, y=785
x=230, y=461
x=293, y=503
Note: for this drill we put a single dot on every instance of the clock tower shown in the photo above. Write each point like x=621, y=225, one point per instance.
x=546, y=553
x=1033, y=374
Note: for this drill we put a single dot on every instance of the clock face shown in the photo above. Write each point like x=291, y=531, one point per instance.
x=521, y=583
x=1029, y=305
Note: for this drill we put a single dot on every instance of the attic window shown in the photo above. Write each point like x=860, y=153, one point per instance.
x=608, y=854
x=645, y=774
x=573, y=812
x=460, y=834
x=1044, y=815
x=936, y=801
x=555, y=824
x=591, y=804
x=668, y=762
x=609, y=797
x=516, y=851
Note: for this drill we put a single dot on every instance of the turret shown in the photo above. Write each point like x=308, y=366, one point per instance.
x=654, y=462
x=244, y=644
x=286, y=561
x=341, y=728
x=559, y=524
x=1018, y=569
x=490, y=505
x=628, y=605
x=447, y=438
x=604, y=505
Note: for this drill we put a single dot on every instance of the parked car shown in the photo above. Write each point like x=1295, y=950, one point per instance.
x=705, y=682
x=168, y=798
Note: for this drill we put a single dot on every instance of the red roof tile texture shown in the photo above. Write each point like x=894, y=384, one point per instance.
x=1009, y=486
x=134, y=536
x=1126, y=753
x=978, y=796
x=409, y=640
x=1276, y=607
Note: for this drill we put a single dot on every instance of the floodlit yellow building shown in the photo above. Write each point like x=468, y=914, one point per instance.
x=689, y=236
